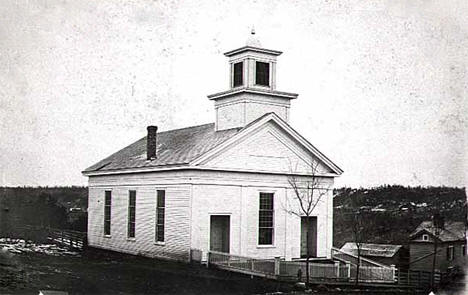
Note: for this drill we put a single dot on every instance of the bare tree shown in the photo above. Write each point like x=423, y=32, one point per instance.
x=308, y=191
x=359, y=233
x=362, y=225
x=437, y=226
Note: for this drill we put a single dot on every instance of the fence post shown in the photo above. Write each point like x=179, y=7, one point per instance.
x=277, y=265
x=337, y=266
x=208, y=259
x=310, y=270
x=348, y=264
x=252, y=264
x=393, y=271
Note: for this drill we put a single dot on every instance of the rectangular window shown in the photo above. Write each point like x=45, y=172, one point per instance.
x=131, y=214
x=425, y=237
x=107, y=212
x=450, y=253
x=265, y=219
x=463, y=249
x=160, y=208
x=262, y=73
x=238, y=74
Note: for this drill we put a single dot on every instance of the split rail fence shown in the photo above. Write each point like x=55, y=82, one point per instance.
x=70, y=238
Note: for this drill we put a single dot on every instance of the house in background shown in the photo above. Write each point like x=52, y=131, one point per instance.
x=383, y=253
x=221, y=186
x=451, y=246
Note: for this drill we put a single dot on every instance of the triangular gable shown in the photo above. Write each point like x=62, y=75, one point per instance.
x=268, y=145
x=417, y=236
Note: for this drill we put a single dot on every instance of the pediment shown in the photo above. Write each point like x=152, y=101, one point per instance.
x=271, y=149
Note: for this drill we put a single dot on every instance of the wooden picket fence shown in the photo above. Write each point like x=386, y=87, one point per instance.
x=415, y=278
x=242, y=264
x=317, y=271
x=288, y=270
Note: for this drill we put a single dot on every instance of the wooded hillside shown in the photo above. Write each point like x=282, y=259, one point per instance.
x=60, y=207
x=393, y=212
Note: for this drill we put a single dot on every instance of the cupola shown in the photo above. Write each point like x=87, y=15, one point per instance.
x=252, y=87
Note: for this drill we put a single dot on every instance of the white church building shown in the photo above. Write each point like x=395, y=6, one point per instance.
x=224, y=186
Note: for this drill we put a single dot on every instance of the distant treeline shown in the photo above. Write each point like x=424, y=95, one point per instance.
x=42, y=206
x=393, y=212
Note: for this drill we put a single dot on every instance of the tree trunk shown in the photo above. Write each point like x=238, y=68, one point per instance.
x=307, y=251
x=434, y=263
x=358, y=265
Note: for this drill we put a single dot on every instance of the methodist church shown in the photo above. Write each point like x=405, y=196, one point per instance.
x=223, y=186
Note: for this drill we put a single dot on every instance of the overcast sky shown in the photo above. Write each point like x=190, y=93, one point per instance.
x=382, y=85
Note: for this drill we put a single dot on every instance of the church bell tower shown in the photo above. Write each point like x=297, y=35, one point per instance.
x=252, y=87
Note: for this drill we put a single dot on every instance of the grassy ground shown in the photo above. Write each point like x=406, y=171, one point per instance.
x=102, y=272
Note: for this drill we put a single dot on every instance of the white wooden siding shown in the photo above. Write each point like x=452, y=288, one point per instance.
x=230, y=116
x=267, y=150
x=240, y=110
x=177, y=220
x=239, y=198
x=191, y=196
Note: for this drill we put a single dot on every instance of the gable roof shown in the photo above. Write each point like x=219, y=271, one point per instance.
x=175, y=147
x=376, y=250
x=452, y=231
x=252, y=126
x=192, y=145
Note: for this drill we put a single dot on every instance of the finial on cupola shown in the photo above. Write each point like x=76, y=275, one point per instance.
x=252, y=40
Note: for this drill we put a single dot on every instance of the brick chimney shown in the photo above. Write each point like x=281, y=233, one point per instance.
x=151, y=142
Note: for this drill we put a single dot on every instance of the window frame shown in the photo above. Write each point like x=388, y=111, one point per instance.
x=450, y=253
x=157, y=223
x=272, y=213
x=241, y=63
x=131, y=222
x=107, y=230
x=268, y=73
x=425, y=237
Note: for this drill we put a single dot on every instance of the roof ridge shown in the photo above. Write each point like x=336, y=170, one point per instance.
x=188, y=127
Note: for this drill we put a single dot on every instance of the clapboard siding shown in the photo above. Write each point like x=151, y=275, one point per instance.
x=232, y=112
x=177, y=223
x=230, y=116
x=420, y=249
x=268, y=150
x=141, y=179
x=241, y=203
x=187, y=226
